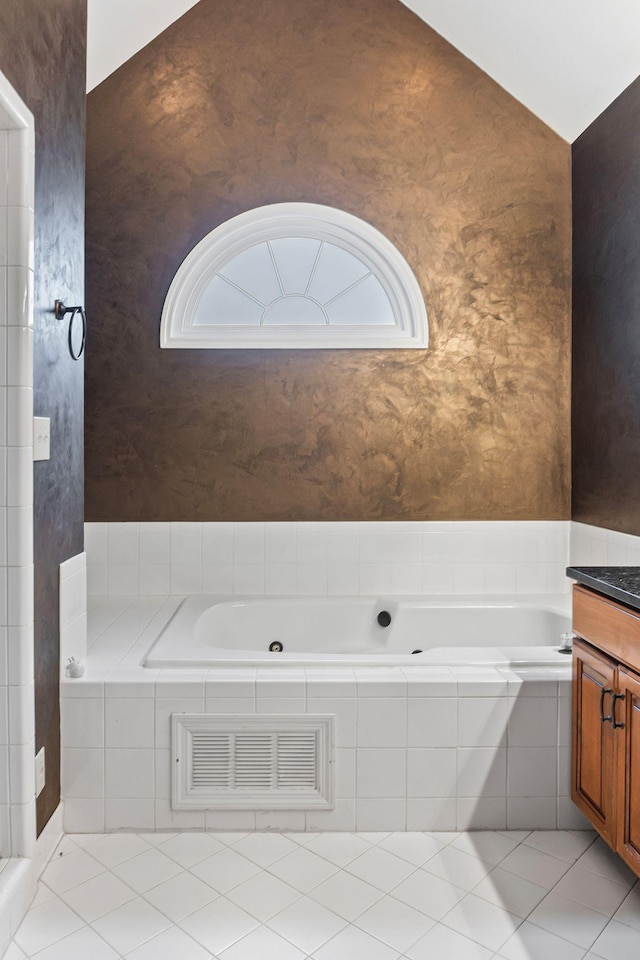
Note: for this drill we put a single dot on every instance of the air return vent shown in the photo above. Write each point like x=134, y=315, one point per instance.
x=252, y=762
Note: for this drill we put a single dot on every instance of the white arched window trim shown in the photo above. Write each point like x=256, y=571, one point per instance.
x=395, y=305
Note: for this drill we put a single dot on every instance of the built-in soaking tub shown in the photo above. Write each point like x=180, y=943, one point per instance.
x=208, y=631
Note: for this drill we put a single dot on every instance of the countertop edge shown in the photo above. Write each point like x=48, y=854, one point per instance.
x=588, y=577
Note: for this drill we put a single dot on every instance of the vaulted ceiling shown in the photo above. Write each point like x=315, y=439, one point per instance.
x=566, y=60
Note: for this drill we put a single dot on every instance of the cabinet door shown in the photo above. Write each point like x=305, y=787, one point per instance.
x=627, y=718
x=593, y=741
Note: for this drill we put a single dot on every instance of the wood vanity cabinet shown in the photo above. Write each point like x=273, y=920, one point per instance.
x=605, y=776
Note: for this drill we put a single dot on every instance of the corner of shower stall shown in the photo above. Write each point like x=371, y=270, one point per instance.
x=21, y=858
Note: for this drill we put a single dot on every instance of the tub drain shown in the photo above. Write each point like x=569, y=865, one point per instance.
x=416, y=651
x=276, y=647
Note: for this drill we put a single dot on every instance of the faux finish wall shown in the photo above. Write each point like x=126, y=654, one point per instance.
x=363, y=107
x=42, y=53
x=606, y=338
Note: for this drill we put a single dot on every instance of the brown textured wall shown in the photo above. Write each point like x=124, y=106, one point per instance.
x=363, y=107
x=606, y=338
x=42, y=53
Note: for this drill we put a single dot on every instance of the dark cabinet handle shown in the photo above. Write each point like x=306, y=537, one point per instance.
x=609, y=716
x=617, y=696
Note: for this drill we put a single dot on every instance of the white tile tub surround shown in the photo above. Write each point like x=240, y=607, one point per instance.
x=17, y=735
x=416, y=749
x=334, y=559
x=73, y=610
x=597, y=546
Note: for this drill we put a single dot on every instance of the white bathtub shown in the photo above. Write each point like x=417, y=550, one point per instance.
x=208, y=631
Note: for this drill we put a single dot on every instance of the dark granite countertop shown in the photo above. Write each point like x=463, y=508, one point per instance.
x=620, y=583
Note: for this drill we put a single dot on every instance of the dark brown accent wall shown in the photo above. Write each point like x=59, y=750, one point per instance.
x=42, y=53
x=363, y=107
x=606, y=337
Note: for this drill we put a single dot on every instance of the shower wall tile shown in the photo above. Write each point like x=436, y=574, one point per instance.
x=22, y=773
x=20, y=654
x=20, y=290
x=334, y=559
x=4, y=167
x=23, y=819
x=53, y=87
x=19, y=187
x=4, y=656
x=19, y=416
x=21, y=717
x=20, y=227
x=19, y=472
x=4, y=716
x=4, y=774
x=19, y=605
x=16, y=528
x=19, y=355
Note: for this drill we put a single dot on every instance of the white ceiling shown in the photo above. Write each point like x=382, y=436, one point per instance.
x=119, y=28
x=566, y=60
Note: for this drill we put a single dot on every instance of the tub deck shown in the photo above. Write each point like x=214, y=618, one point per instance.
x=424, y=746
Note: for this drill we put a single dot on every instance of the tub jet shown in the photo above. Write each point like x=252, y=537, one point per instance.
x=276, y=647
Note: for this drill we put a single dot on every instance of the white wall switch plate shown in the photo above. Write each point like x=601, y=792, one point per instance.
x=40, y=772
x=41, y=438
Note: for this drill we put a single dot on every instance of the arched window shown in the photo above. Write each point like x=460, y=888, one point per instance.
x=294, y=275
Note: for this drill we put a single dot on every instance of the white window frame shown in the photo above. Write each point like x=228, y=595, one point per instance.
x=286, y=220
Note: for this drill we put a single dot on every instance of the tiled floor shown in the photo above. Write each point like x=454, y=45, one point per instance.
x=268, y=896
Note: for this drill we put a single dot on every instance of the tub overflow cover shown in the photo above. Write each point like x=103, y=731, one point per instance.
x=384, y=618
x=276, y=647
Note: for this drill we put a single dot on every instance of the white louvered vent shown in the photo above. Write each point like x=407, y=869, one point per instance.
x=252, y=762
